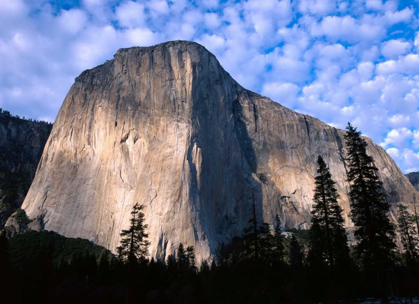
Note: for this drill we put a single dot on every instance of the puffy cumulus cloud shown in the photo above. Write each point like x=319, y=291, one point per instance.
x=395, y=48
x=398, y=137
x=317, y=7
x=337, y=60
x=393, y=152
x=348, y=29
x=284, y=93
x=130, y=14
x=406, y=158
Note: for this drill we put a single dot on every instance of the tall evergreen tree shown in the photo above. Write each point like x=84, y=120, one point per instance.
x=369, y=207
x=134, y=243
x=296, y=254
x=328, y=239
x=409, y=235
x=190, y=253
x=181, y=257
x=266, y=243
x=251, y=235
x=279, y=241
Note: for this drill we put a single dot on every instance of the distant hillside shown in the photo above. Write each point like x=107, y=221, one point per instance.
x=22, y=142
x=414, y=179
x=31, y=247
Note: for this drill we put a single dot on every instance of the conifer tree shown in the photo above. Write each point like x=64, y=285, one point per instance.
x=369, y=207
x=296, y=255
x=279, y=240
x=328, y=239
x=190, y=254
x=409, y=235
x=251, y=235
x=181, y=257
x=134, y=243
x=266, y=243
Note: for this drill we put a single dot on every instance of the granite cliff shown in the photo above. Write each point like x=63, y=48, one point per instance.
x=21, y=145
x=166, y=126
x=414, y=179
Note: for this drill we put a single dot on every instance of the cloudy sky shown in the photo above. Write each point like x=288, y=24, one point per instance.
x=339, y=60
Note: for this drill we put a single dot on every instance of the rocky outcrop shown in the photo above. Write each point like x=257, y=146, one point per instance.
x=414, y=179
x=21, y=145
x=167, y=127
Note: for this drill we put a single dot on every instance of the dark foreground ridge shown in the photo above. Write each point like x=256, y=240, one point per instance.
x=44, y=267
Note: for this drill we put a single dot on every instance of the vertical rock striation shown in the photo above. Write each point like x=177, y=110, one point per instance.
x=167, y=127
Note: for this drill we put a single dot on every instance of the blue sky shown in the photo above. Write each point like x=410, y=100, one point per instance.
x=339, y=60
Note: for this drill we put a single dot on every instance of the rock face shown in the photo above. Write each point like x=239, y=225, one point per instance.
x=21, y=146
x=167, y=127
x=414, y=179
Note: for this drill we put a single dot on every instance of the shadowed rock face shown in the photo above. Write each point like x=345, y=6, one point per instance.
x=21, y=146
x=414, y=179
x=167, y=127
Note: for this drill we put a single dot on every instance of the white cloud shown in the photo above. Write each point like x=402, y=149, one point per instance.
x=404, y=15
x=15, y=7
x=131, y=14
x=141, y=36
x=348, y=29
x=395, y=48
x=398, y=137
x=393, y=152
x=317, y=7
x=337, y=60
x=212, y=20
x=284, y=93
x=159, y=7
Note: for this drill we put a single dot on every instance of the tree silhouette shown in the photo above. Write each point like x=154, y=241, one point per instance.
x=328, y=237
x=134, y=243
x=296, y=255
x=190, y=254
x=251, y=235
x=369, y=210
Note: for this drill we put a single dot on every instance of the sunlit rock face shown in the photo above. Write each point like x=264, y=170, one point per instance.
x=167, y=127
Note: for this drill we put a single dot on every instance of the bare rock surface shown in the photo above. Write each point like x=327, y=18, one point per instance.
x=167, y=127
x=414, y=179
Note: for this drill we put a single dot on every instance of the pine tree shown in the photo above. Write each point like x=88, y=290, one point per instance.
x=134, y=244
x=266, y=243
x=279, y=240
x=369, y=208
x=409, y=235
x=190, y=254
x=296, y=255
x=328, y=239
x=251, y=235
x=181, y=257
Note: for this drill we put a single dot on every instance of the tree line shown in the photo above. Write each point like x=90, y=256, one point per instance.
x=265, y=264
x=9, y=115
x=375, y=256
